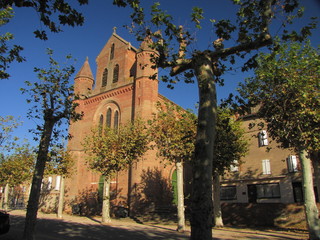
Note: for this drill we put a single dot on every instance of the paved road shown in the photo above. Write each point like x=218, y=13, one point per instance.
x=83, y=228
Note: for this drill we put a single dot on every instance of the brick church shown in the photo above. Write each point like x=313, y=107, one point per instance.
x=121, y=91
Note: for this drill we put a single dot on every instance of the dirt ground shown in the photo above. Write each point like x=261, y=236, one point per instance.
x=81, y=228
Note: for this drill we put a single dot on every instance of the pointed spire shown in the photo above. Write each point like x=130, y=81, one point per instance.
x=85, y=71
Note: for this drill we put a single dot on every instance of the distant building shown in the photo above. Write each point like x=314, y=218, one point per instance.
x=267, y=174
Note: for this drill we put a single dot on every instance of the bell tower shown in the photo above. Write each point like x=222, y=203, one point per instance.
x=146, y=83
x=83, y=82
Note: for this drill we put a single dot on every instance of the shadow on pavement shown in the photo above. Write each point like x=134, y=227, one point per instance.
x=50, y=229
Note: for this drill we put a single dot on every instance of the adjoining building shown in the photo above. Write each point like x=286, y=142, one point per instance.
x=267, y=174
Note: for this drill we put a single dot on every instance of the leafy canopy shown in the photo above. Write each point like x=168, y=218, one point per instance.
x=173, y=131
x=49, y=10
x=52, y=97
x=60, y=162
x=230, y=144
x=286, y=86
x=112, y=150
x=8, y=54
x=17, y=167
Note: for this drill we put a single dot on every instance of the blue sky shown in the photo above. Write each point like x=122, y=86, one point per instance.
x=88, y=40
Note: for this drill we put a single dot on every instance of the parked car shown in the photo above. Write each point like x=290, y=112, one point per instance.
x=4, y=222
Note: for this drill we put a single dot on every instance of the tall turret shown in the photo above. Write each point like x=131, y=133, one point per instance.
x=146, y=88
x=83, y=82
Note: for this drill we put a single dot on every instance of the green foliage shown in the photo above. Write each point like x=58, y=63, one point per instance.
x=230, y=143
x=48, y=11
x=52, y=97
x=112, y=150
x=18, y=167
x=173, y=131
x=287, y=89
x=8, y=54
x=250, y=31
x=60, y=163
x=7, y=125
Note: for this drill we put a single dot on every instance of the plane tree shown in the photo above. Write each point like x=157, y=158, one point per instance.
x=53, y=107
x=230, y=146
x=52, y=15
x=286, y=86
x=112, y=150
x=16, y=168
x=173, y=131
x=61, y=164
x=8, y=53
x=250, y=31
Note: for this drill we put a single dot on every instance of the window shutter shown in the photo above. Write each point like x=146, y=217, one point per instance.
x=49, y=182
x=57, y=186
x=292, y=163
x=266, y=169
x=263, y=138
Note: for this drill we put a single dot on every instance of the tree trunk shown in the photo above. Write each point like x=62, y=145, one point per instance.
x=311, y=210
x=316, y=169
x=180, y=207
x=33, y=203
x=106, y=200
x=6, y=198
x=1, y=201
x=217, y=213
x=201, y=206
x=61, y=198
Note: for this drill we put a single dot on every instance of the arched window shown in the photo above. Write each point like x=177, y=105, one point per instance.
x=100, y=123
x=116, y=120
x=109, y=118
x=115, y=73
x=104, y=77
x=112, y=51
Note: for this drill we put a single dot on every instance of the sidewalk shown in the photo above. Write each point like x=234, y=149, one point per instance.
x=82, y=228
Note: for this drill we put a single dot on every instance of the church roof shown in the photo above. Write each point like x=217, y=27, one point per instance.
x=85, y=71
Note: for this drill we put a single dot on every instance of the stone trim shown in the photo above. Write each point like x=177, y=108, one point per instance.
x=108, y=94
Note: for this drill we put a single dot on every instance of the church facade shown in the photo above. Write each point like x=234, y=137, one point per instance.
x=121, y=92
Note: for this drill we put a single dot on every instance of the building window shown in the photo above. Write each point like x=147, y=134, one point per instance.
x=263, y=138
x=58, y=181
x=104, y=77
x=266, y=169
x=116, y=120
x=228, y=193
x=112, y=51
x=100, y=124
x=271, y=190
x=292, y=163
x=115, y=74
x=234, y=167
x=109, y=112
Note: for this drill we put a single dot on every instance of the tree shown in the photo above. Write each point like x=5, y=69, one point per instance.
x=8, y=54
x=60, y=164
x=53, y=104
x=48, y=12
x=16, y=168
x=173, y=131
x=112, y=150
x=286, y=87
x=251, y=32
x=230, y=146
x=7, y=125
